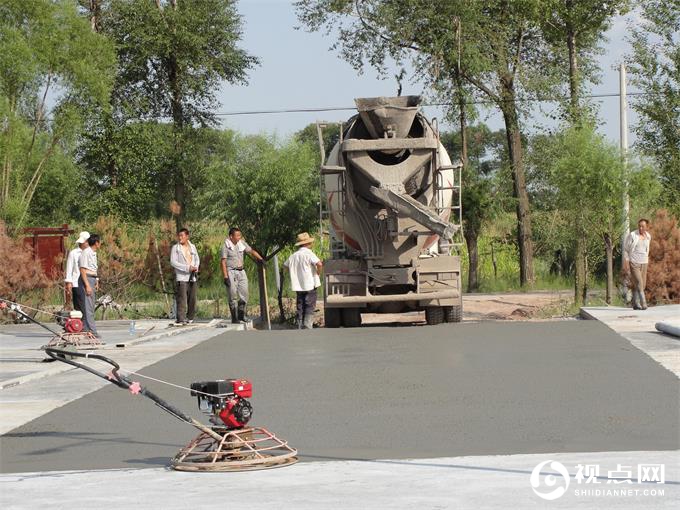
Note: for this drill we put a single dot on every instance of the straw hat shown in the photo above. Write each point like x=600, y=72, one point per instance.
x=304, y=238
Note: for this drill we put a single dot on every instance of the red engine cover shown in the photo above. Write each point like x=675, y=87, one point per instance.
x=228, y=417
x=73, y=325
x=242, y=388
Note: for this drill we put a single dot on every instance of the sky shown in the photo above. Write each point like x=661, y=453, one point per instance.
x=297, y=70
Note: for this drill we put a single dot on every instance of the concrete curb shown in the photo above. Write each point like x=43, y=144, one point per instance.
x=584, y=314
x=11, y=383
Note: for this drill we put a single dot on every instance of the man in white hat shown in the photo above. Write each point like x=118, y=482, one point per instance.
x=73, y=272
x=304, y=267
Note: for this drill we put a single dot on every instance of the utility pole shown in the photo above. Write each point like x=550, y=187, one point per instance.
x=623, y=106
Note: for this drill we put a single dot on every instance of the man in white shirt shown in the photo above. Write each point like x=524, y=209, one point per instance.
x=73, y=272
x=234, y=250
x=88, y=283
x=184, y=259
x=304, y=267
x=635, y=259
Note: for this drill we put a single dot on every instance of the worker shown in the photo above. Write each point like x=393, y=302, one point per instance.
x=235, y=278
x=635, y=259
x=184, y=259
x=88, y=283
x=304, y=267
x=73, y=272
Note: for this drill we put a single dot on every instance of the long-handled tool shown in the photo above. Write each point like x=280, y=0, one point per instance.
x=228, y=445
x=72, y=335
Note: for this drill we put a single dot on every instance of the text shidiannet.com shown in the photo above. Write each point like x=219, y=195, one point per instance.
x=591, y=481
x=619, y=492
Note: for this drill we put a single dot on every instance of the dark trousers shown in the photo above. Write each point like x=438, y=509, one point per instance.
x=76, y=299
x=306, y=304
x=185, y=295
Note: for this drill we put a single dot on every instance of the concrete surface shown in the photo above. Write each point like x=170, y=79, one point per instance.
x=30, y=387
x=484, y=482
x=371, y=393
x=638, y=327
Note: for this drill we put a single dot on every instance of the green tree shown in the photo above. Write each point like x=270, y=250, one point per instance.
x=584, y=172
x=266, y=188
x=655, y=69
x=53, y=71
x=172, y=57
x=497, y=48
x=575, y=29
x=309, y=134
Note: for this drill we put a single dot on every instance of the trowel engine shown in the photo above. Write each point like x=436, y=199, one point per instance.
x=225, y=401
x=71, y=321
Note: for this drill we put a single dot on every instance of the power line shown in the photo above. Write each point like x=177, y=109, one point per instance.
x=479, y=102
x=353, y=108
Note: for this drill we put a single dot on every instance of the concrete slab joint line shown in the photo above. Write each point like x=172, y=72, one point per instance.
x=639, y=327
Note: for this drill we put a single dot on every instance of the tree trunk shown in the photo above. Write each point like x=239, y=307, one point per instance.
x=471, y=236
x=178, y=129
x=609, y=248
x=580, y=271
x=514, y=139
x=95, y=9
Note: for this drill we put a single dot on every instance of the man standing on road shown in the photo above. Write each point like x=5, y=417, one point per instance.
x=235, y=277
x=73, y=272
x=304, y=267
x=88, y=283
x=184, y=259
x=635, y=259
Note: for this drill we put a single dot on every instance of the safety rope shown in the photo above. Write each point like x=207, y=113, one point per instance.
x=29, y=307
x=161, y=381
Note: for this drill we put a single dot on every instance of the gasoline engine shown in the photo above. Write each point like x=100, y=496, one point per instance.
x=225, y=401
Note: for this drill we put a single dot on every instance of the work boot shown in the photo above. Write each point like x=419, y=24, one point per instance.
x=308, y=323
x=242, y=312
x=643, y=301
x=234, y=313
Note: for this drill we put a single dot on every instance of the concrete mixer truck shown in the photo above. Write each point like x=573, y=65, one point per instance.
x=391, y=204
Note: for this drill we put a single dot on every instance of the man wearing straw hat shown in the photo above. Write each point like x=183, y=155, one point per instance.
x=304, y=267
x=72, y=272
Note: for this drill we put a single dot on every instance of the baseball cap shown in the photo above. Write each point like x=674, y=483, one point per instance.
x=84, y=236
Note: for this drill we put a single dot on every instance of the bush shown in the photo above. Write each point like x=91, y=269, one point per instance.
x=663, y=271
x=22, y=279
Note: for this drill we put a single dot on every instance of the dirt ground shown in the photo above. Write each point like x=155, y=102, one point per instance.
x=520, y=306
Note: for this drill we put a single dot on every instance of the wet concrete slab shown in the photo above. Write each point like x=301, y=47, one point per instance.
x=371, y=393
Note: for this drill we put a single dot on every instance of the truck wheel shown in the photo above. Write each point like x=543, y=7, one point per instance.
x=453, y=313
x=434, y=315
x=332, y=317
x=351, y=317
